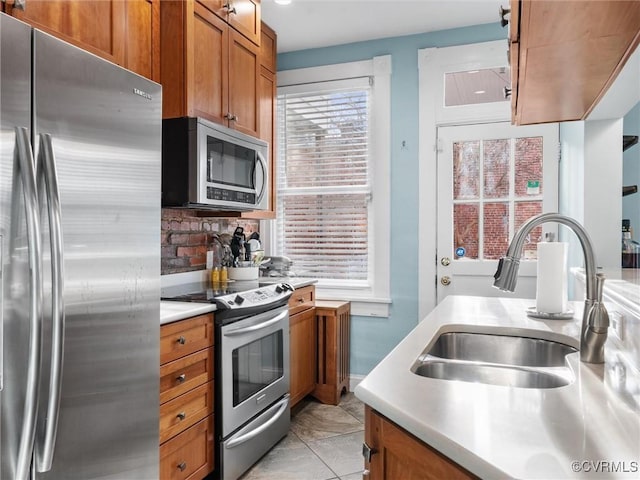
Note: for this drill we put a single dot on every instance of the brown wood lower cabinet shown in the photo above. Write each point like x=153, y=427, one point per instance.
x=189, y=455
x=186, y=399
x=396, y=454
x=302, y=334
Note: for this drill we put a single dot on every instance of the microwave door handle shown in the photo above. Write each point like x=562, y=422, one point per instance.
x=263, y=165
x=24, y=167
x=48, y=180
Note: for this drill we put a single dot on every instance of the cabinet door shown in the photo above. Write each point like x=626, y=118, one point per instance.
x=208, y=59
x=94, y=25
x=302, y=345
x=266, y=131
x=244, y=70
x=244, y=16
x=219, y=7
x=143, y=38
x=398, y=454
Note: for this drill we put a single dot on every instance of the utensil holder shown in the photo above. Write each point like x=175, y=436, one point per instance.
x=243, y=273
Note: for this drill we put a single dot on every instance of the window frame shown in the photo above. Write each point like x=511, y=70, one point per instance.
x=374, y=299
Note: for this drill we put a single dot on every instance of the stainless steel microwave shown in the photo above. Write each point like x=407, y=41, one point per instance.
x=209, y=166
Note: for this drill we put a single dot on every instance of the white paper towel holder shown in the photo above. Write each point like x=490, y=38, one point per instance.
x=532, y=312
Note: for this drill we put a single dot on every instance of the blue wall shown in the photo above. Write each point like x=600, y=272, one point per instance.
x=631, y=171
x=372, y=338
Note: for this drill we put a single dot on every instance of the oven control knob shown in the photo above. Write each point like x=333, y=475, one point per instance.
x=278, y=289
x=286, y=286
x=238, y=300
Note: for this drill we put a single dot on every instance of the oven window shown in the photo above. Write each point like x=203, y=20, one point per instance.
x=256, y=365
x=230, y=164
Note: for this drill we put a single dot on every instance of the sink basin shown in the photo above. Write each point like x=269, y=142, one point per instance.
x=502, y=349
x=494, y=374
x=511, y=361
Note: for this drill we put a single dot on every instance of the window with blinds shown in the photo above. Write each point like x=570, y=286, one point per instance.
x=323, y=179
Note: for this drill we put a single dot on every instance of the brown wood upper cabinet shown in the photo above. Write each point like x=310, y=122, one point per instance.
x=243, y=15
x=565, y=55
x=125, y=32
x=208, y=69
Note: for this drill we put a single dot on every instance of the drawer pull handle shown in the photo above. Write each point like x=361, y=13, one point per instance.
x=301, y=300
x=181, y=340
x=181, y=378
x=181, y=416
x=182, y=466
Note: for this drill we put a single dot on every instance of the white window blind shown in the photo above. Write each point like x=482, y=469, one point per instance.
x=323, y=179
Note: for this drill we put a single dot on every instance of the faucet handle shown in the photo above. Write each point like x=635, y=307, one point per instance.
x=600, y=278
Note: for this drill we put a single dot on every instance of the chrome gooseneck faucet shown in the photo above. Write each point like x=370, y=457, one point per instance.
x=595, y=319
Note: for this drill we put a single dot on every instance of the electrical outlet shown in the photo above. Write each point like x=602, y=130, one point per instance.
x=617, y=321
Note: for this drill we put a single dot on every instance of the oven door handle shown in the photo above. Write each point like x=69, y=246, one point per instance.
x=259, y=326
x=282, y=404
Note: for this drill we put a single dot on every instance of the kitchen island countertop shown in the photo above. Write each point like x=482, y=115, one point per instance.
x=497, y=431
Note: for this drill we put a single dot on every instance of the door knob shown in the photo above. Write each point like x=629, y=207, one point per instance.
x=445, y=281
x=445, y=261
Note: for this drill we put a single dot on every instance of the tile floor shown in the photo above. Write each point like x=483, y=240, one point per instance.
x=324, y=442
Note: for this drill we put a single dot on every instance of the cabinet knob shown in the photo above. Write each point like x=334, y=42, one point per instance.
x=181, y=340
x=19, y=4
x=181, y=416
x=181, y=378
x=503, y=12
x=182, y=466
x=230, y=116
x=230, y=8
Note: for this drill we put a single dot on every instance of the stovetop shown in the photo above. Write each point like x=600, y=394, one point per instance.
x=234, y=299
x=207, y=292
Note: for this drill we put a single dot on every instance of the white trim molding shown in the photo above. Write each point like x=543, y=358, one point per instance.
x=374, y=299
x=433, y=63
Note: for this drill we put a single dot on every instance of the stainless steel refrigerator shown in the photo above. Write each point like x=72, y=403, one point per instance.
x=80, y=146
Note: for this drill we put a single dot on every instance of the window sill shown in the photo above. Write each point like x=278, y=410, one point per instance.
x=362, y=303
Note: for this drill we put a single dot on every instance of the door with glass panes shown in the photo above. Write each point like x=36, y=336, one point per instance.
x=491, y=179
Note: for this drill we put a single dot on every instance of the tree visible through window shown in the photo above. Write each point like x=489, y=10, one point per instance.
x=323, y=180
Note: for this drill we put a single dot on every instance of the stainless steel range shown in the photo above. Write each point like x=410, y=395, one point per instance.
x=252, y=368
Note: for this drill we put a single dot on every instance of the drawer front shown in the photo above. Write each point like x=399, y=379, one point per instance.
x=301, y=299
x=184, y=337
x=186, y=373
x=190, y=455
x=180, y=413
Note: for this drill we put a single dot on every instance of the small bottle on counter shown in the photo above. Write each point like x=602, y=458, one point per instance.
x=215, y=275
x=224, y=275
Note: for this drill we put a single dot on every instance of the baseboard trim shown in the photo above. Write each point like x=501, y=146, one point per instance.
x=354, y=380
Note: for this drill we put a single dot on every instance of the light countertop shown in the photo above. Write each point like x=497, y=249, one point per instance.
x=622, y=285
x=496, y=431
x=171, y=311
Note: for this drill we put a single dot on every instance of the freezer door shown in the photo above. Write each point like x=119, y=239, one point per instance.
x=105, y=131
x=15, y=294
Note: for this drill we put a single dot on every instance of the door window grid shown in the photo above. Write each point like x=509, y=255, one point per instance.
x=520, y=207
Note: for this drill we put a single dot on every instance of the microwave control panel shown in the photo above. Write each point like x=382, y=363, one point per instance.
x=215, y=193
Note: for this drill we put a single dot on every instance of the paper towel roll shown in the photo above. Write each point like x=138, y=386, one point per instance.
x=551, y=284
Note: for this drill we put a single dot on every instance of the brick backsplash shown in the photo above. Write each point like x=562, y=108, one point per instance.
x=185, y=237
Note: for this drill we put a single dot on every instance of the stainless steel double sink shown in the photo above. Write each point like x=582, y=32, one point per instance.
x=496, y=359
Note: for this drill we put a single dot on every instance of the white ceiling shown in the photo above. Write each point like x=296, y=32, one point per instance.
x=320, y=23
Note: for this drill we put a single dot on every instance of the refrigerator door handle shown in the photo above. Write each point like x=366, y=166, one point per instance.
x=47, y=180
x=24, y=165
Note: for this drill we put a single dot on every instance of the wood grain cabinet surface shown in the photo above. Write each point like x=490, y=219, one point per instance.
x=208, y=68
x=565, y=55
x=187, y=399
x=125, y=32
x=302, y=343
x=396, y=454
